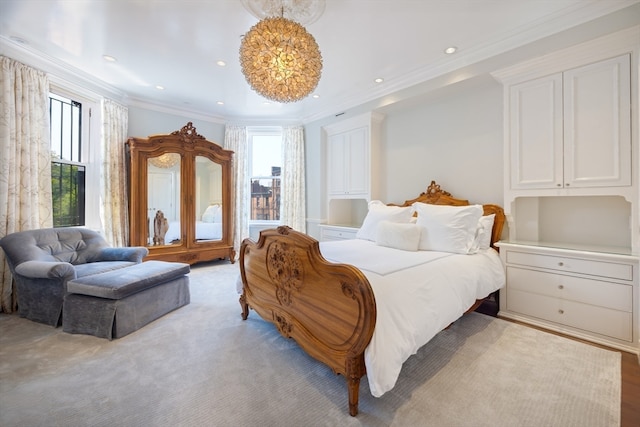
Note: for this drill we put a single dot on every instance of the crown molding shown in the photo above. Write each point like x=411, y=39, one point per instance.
x=175, y=111
x=573, y=16
x=60, y=73
x=563, y=20
x=615, y=44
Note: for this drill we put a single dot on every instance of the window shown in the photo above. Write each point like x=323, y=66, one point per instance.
x=67, y=169
x=265, y=157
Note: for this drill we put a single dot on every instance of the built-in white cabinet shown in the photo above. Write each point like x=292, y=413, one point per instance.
x=591, y=295
x=572, y=129
x=336, y=232
x=572, y=192
x=349, y=164
x=352, y=147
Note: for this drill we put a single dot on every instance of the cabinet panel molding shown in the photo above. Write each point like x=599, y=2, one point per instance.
x=600, y=293
x=593, y=320
x=572, y=129
x=536, y=133
x=622, y=271
x=597, y=126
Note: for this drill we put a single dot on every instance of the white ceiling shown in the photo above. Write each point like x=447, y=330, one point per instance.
x=176, y=44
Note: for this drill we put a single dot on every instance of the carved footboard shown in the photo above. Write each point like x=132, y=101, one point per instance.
x=328, y=309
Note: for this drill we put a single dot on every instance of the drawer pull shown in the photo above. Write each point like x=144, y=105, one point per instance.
x=560, y=263
x=561, y=311
x=560, y=286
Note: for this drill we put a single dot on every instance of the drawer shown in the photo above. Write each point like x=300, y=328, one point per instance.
x=615, y=296
x=337, y=234
x=614, y=270
x=600, y=320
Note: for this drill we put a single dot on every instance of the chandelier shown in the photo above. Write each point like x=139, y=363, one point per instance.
x=165, y=161
x=279, y=58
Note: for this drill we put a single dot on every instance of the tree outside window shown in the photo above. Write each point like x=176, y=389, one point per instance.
x=67, y=171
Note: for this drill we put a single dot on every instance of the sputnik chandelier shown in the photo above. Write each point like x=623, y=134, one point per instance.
x=279, y=58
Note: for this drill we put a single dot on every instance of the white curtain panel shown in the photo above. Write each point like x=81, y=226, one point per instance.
x=292, y=200
x=25, y=150
x=235, y=139
x=114, y=211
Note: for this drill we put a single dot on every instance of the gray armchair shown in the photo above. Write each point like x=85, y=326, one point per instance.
x=43, y=261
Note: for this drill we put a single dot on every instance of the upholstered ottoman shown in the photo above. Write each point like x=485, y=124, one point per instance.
x=116, y=303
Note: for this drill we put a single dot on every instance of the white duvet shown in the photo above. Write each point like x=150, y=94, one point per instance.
x=417, y=295
x=204, y=231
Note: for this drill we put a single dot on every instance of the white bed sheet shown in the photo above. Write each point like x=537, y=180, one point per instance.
x=432, y=290
x=204, y=231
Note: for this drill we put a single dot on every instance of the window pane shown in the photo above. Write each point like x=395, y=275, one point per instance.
x=67, y=180
x=65, y=128
x=266, y=154
x=68, y=191
x=266, y=160
x=265, y=199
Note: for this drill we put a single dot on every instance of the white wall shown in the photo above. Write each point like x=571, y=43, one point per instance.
x=455, y=140
x=145, y=122
x=453, y=137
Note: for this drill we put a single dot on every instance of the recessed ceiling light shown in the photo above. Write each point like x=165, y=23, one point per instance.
x=220, y=103
x=109, y=58
x=221, y=63
x=450, y=50
x=159, y=87
x=316, y=96
x=379, y=80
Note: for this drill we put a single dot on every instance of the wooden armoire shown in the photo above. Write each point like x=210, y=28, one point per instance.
x=181, y=197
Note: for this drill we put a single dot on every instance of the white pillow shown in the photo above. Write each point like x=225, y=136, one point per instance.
x=448, y=228
x=405, y=236
x=378, y=211
x=218, y=215
x=209, y=214
x=483, y=232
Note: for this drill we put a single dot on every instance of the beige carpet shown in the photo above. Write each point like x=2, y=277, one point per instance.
x=201, y=365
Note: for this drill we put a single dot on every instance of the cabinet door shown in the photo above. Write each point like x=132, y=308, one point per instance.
x=358, y=155
x=597, y=133
x=337, y=164
x=348, y=163
x=535, y=130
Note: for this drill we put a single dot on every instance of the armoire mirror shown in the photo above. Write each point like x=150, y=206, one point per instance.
x=181, y=197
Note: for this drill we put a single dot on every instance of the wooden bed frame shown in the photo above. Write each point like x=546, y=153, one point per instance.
x=329, y=309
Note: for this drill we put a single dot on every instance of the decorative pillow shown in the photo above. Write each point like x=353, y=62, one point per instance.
x=483, y=232
x=209, y=214
x=405, y=236
x=378, y=211
x=448, y=228
x=218, y=215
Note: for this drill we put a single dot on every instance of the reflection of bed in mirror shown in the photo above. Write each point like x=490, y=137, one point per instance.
x=209, y=227
x=204, y=231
